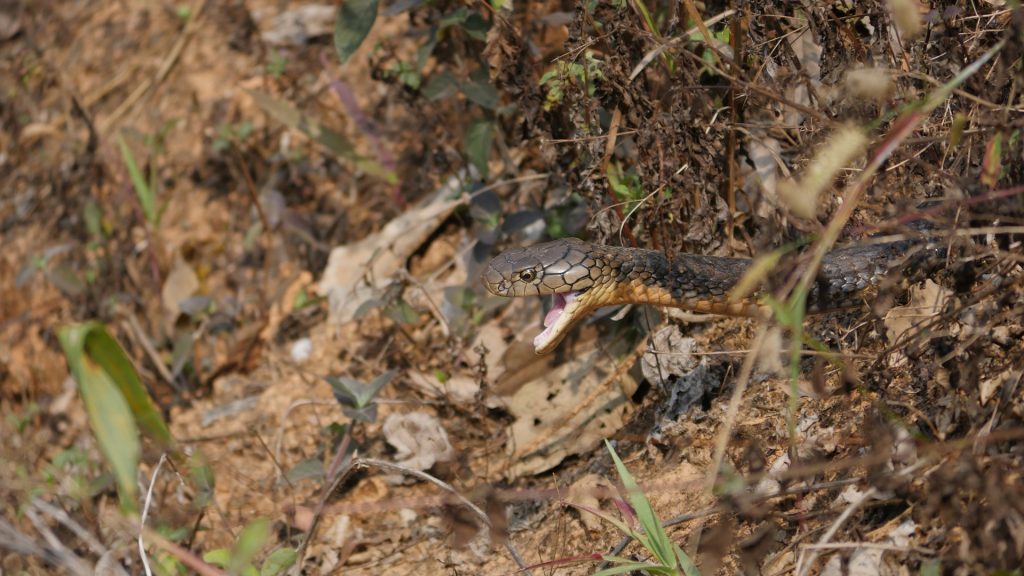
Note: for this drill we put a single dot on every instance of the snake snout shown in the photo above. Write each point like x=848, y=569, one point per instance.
x=494, y=281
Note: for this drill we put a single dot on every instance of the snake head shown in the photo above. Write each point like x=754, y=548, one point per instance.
x=565, y=269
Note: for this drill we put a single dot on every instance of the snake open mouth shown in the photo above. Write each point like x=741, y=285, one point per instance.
x=557, y=321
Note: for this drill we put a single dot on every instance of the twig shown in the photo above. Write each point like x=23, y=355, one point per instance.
x=62, y=556
x=161, y=74
x=722, y=442
x=801, y=566
x=150, y=350
x=685, y=36
x=68, y=522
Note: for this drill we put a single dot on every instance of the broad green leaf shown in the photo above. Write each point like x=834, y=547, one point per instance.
x=278, y=561
x=354, y=21
x=218, y=557
x=109, y=414
x=356, y=394
x=304, y=470
x=439, y=86
x=115, y=401
x=477, y=144
x=333, y=141
x=93, y=216
x=105, y=351
x=476, y=27
x=249, y=543
x=482, y=94
x=147, y=198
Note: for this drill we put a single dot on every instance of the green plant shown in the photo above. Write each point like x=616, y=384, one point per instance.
x=586, y=74
x=238, y=559
x=356, y=398
x=145, y=189
x=667, y=557
x=626, y=185
x=231, y=134
x=276, y=64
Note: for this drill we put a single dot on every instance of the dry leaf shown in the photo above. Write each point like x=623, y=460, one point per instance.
x=179, y=285
x=419, y=440
x=925, y=302
x=360, y=271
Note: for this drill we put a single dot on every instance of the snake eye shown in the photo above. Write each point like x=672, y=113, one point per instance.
x=528, y=275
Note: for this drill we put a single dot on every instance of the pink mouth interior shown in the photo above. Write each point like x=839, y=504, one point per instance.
x=559, y=302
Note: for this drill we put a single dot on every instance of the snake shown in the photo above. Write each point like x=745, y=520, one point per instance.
x=582, y=277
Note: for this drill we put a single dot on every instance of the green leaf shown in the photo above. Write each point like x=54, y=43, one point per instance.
x=477, y=143
x=250, y=541
x=142, y=189
x=689, y=568
x=476, y=27
x=333, y=141
x=112, y=423
x=105, y=351
x=402, y=313
x=439, y=86
x=93, y=215
x=202, y=476
x=218, y=557
x=355, y=394
x=624, y=568
x=114, y=401
x=482, y=94
x=659, y=543
x=304, y=470
x=354, y=21
x=278, y=561
x=622, y=526
x=65, y=279
x=454, y=19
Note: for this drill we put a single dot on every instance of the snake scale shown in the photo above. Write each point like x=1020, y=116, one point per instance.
x=583, y=277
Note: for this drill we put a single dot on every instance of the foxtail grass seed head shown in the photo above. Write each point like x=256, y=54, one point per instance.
x=907, y=16
x=841, y=148
x=869, y=83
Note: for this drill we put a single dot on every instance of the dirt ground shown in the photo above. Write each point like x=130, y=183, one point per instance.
x=314, y=225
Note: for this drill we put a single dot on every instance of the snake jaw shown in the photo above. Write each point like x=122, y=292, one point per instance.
x=567, y=309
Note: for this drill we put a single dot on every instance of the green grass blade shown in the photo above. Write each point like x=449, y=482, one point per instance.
x=689, y=568
x=660, y=545
x=632, y=566
x=145, y=193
